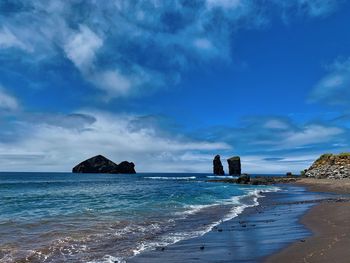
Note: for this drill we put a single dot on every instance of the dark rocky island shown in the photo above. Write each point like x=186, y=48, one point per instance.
x=218, y=169
x=100, y=164
x=234, y=165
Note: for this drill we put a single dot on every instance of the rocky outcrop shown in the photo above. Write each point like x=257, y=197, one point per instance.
x=218, y=169
x=126, y=168
x=330, y=166
x=234, y=165
x=100, y=164
x=243, y=179
x=257, y=180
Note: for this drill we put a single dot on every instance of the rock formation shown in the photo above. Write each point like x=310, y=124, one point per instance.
x=243, y=179
x=234, y=165
x=100, y=164
x=218, y=169
x=126, y=168
x=330, y=166
x=257, y=180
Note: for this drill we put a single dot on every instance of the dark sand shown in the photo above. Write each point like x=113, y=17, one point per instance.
x=330, y=225
x=326, y=185
x=251, y=237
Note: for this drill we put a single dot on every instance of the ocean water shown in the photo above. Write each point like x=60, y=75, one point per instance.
x=64, y=217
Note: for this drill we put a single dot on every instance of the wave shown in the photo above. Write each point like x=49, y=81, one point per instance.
x=171, y=178
x=109, y=259
x=239, y=207
x=221, y=176
x=164, y=236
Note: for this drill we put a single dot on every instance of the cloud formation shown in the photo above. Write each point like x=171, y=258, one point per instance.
x=121, y=48
x=7, y=101
x=9, y=40
x=334, y=88
x=130, y=47
x=81, y=47
x=272, y=143
x=58, y=142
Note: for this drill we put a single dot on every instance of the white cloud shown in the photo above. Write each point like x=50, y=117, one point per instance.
x=81, y=48
x=334, y=88
x=203, y=43
x=108, y=40
x=311, y=134
x=51, y=147
x=259, y=164
x=113, y=82
x=276, y=124
x=7, y=101
x=9, y=40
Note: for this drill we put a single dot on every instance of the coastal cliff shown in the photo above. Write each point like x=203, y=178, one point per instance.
x=330, y=166
x=100, y=164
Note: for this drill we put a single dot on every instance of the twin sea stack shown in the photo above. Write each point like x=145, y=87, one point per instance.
x=100, y=164
x=234, y=166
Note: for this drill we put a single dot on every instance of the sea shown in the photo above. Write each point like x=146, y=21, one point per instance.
x=65, y=217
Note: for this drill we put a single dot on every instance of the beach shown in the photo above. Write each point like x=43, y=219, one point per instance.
x=329, y=223
x=184, y=131
x=300, y=223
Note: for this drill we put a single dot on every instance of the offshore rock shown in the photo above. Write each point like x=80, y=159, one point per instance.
x=218, y=169
x=257, y=180
x=234, y=165
x=96, y=164
x=332, y=166
x=126, y=168
x=243, y=179
x=100, y=164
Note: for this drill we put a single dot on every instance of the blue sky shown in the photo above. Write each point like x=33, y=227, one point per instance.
x=170, y=84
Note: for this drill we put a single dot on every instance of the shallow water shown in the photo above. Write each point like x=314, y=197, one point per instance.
x=55, y=217
x=249, y=237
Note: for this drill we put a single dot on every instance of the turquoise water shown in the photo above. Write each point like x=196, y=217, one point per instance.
x=55, y=217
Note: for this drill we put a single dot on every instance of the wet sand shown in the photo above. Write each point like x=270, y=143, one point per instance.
x=252, y=236
x=330, y=225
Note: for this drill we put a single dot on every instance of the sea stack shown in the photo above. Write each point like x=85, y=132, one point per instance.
x=218, y=169
x=100, y=164
x=234, y=165
x=330, y=166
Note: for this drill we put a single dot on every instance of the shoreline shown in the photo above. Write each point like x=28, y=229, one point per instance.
x=329, y=223
x=335, y=186
x=251, y=236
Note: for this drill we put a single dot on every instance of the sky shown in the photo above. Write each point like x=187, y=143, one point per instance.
x=170, y=84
